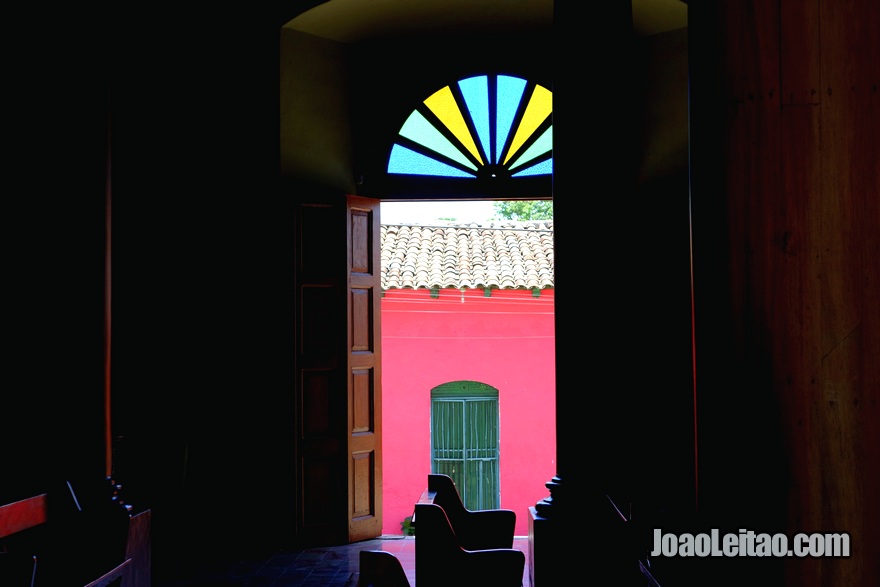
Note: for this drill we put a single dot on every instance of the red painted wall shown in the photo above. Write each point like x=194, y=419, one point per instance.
x=506, y=341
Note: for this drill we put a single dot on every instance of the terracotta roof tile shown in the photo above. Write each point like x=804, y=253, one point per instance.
x=498, y=254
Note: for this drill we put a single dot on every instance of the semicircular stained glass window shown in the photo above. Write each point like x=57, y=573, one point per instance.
x=482, y=126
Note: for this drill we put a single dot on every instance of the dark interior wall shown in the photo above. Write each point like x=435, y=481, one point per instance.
x=202, y=274
x=315, y=120
x=200, y=254
x=55, y=135
x=661, y=72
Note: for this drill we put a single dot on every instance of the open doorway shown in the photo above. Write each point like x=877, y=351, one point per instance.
x=467, y=312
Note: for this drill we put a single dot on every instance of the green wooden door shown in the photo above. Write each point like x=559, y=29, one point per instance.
x=464, y=440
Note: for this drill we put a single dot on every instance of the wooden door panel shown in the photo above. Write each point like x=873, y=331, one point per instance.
x=362, y=322
x=364, y=497
x=319, y=308
x=318, y=492
x=365, y=463
x=321, y=399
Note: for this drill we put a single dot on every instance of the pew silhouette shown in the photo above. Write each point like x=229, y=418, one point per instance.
x=379, y=568
x=441, y=560
x=475, y=529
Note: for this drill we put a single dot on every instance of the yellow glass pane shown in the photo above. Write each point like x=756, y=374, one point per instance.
x=539, y=108
x=443, y=104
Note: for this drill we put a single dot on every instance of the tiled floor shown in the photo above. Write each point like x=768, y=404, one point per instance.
x=334, y=566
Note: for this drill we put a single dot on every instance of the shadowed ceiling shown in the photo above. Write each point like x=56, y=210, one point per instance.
x=350, y=21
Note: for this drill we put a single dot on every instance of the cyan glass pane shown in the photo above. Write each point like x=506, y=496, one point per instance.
x=542, y=168
x=418, y=129
x=476, y=95
x=403, y=160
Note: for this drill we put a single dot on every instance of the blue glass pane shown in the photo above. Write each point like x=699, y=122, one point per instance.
x=542, y=168
x=418, y=129
x=403, y=160
x=476, y=95
x=510, y=91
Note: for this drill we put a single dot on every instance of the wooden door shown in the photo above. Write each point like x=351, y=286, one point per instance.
x=338, y=432
x=364, y=380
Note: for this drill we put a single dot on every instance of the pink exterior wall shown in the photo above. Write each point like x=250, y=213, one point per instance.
x=506, y=341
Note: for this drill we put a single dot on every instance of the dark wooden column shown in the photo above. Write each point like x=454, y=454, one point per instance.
x=592, y=151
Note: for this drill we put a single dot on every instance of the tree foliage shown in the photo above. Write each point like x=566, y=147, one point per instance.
x=525, y=209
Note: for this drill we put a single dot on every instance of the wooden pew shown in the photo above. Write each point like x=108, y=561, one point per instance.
x=45, y=544
x=475, y=529
x=470, y=548
x=19, y=568
x=440, y=559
